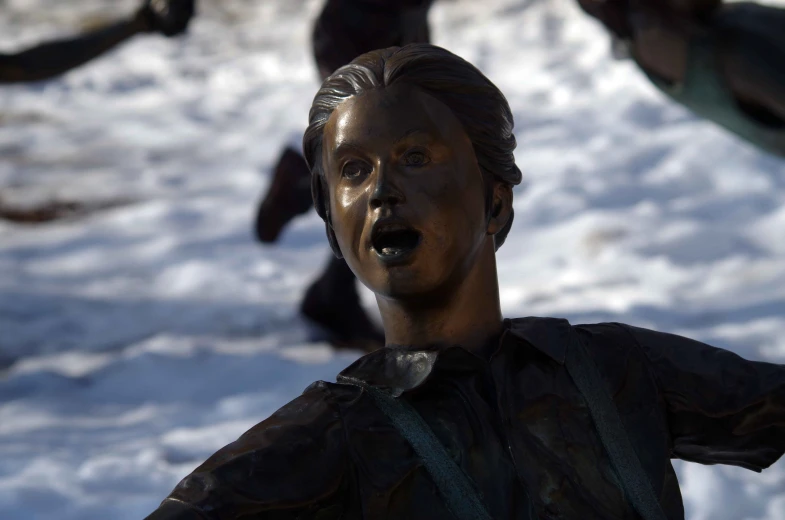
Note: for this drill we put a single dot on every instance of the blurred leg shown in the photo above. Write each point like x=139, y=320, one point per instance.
x=289, y=195
x=332, y=302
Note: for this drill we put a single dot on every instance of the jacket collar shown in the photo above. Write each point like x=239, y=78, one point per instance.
x=394, y=369
x=401, y=369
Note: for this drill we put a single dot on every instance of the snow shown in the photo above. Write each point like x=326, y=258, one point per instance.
x=138, y=340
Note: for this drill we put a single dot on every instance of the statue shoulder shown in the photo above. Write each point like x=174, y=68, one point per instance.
x=271, y=465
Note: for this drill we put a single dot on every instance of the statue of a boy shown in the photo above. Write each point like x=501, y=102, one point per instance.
x=465, y=414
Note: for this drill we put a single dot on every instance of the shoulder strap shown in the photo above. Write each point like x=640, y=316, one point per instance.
x=458, y=492
x=634, y=481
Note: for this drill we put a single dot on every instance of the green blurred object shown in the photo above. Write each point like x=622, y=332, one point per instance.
x=759, y=33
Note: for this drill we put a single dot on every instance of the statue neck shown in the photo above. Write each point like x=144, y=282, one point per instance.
x=467, y=314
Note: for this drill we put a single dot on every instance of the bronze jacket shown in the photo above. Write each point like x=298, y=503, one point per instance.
x=514, y=422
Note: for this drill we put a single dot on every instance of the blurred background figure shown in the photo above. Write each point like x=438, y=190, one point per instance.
x=725, y=62
x=51, y=59
x=343, y=30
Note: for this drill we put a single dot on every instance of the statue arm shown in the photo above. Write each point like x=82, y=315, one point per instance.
x=52, y=59
x=721, y=408
x=294, y=464
x=48, y=60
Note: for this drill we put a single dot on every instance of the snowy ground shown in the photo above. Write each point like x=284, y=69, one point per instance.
x=138, y=340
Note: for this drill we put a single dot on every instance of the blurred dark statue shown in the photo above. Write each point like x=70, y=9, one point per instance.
x=464, y=414
x=723, y=61
x=344, y=30
x=51, y=59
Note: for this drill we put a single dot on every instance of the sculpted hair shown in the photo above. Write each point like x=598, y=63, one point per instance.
x=476, y=102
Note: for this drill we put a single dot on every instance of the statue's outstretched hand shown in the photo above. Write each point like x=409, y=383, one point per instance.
x=168, y=17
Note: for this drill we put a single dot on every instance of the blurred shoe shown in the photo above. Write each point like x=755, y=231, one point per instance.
x=344, y=320
x=289, y=195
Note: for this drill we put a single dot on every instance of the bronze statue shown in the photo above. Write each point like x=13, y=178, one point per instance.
x=48, y=60
x=723, y=61
x=464, y=414
x=344, y=30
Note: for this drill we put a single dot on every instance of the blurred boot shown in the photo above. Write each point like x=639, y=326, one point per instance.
x=289, y=195
x=333, y=303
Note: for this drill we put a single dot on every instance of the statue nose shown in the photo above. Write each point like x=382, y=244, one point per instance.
x=385, y=190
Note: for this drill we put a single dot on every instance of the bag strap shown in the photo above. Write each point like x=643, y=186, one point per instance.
x=634, y=481
x=458, y=492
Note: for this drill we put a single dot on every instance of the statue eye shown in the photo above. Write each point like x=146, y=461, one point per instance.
x=353, y=170
x=416, y=159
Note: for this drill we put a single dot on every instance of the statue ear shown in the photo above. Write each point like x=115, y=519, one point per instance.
x=501, y=207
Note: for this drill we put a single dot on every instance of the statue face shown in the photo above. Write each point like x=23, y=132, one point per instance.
x=406, y=193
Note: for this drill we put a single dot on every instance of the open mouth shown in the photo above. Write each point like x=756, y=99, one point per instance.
x=394, y=240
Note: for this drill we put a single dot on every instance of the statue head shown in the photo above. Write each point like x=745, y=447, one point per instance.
x=411, y=154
